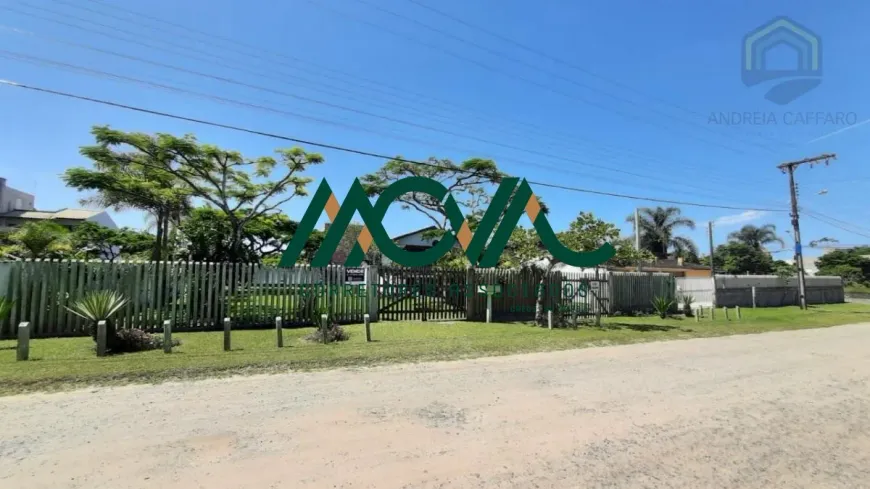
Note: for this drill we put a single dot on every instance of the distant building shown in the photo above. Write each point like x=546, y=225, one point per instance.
x=675, y=267
x=416, y=240
x=17, y=208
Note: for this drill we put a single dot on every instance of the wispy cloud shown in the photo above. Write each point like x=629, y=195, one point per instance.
x=742, y=218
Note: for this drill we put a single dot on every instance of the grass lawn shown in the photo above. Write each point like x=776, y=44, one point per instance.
x=63, y=363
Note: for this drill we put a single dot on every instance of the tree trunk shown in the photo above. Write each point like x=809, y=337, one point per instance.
x=158, y=240
x=165, y=247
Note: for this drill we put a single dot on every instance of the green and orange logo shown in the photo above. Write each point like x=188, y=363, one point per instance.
x=483, y=248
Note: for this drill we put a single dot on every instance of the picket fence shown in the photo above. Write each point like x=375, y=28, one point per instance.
x=197, y=296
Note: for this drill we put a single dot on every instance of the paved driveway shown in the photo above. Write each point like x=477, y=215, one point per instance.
x=788, y=410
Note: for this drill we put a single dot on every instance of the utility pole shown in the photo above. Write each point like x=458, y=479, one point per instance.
x=712, y=263
x=637, y=234
x=789, y=168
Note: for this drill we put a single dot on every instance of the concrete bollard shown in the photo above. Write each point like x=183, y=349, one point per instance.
x=367, y=320
x=712, y=313
x=23, y=342
x=737, y=308
x=101, y=338
x=698, y=315
x=549, y=319
x=323, y=319
x=227, y=339
x=753, y=297
x=167, y=336
x=279, y=331
x=725, y=310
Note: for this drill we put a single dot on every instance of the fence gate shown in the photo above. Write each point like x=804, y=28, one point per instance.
x=424, y=294
x=584, y=296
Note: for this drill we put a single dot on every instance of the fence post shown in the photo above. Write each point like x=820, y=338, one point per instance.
x=366, y=319
x=550, y=319
x=712, y=313
x=738, y=312
x=323, y=319
x=167, y=336
x=725, y=309
x=279, y=331
x=101, y=338
x=698, y=316
x=753, y=297
x=488, y=306
x=23, y=342
x=372, y=292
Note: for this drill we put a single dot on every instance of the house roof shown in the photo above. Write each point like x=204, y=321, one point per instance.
x=71, y=214
x=669, y=263
x=421, y=230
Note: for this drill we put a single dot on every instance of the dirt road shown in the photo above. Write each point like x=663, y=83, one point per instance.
x=787, y=410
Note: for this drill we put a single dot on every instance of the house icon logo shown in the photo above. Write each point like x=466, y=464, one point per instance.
x=794, y=82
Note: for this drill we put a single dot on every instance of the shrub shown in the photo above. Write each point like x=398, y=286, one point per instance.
x=662, y=305
x=687, y=301
x=334, y=332
x=133, y=340
x=99, y=306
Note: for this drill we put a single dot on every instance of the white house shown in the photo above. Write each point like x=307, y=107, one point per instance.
x=17, y=208
x=415, y=240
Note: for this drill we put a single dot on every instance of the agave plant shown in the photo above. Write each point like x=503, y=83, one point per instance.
x=687, y=301
x=98, y=306
x=662, y=305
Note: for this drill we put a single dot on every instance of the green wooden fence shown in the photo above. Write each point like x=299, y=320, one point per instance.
x=197, y=296
x=194, y=296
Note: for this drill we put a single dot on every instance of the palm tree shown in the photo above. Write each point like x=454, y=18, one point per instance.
x=657, y=231
x=757, y=237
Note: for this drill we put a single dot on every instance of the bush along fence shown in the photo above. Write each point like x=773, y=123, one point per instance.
x=198, y=296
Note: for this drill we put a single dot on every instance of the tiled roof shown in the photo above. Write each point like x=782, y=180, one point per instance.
x=71, y=214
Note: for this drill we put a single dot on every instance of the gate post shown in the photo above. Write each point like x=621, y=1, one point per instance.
x=470, y=293
x=372, y=281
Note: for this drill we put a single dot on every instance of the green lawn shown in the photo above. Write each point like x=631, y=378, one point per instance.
x=62, y=363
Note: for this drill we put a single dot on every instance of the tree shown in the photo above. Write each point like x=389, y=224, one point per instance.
x=206, y=236
x=657, y=231
x=852, y=264
x=739, y=258
x=468, y=183
x=236, y=186
x=349, y=240
x=757, y=237
x=41, y=239
x=92, y=241
x=132, y=180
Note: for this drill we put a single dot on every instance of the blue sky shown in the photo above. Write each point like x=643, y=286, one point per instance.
x=650, y=76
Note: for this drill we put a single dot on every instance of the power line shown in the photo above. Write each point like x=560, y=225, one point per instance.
x=126, y=78
x=834, y=219
x=545, y=54
x=352, y=150
x=545, y=132
x=834, y=224
x=521, y=78
x=552, y=73
x=247, y=71
x=224, y=100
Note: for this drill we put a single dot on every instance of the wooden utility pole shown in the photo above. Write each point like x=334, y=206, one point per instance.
x=712, y=264
x=789, y=168
x=637, y=234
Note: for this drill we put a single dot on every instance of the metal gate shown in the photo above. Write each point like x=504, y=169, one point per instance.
x=426, y=294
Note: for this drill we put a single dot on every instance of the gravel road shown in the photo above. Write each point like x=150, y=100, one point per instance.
x=788, y=410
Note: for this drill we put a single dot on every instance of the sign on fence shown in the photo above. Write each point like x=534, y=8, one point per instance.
x=355, y=275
